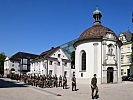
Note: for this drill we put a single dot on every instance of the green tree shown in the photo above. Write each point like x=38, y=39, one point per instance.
x=2, y=58
x=73, y=60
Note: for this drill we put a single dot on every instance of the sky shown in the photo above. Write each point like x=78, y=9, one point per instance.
x=34, y=26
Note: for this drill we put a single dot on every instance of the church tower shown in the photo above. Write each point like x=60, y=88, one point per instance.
x=97, y=16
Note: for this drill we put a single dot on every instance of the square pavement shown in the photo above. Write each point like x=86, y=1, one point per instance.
x=121, y=91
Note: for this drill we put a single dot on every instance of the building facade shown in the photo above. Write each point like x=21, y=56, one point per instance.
x=126, y=51
x=51, y=62
x=19, y=63
x=98, y=52
x=11, y=66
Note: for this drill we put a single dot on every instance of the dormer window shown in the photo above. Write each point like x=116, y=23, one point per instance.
x=65, y=63
x=59, y=55
x=58, y=63
x=50, y=62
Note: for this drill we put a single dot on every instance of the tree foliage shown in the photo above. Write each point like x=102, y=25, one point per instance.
x=2, y=58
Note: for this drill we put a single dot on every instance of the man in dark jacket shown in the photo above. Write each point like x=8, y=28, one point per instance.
x=73, y=83
x=64, y=82
x=94, y=87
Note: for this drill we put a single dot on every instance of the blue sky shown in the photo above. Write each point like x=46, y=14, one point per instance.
x=34, y=26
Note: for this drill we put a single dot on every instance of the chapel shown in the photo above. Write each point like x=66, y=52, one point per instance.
x=98, y=52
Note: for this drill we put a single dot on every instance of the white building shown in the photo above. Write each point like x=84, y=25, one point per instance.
x=126, y=51
x=11, y=66
x=98, y=52
x=53, y=61
x=19, y=63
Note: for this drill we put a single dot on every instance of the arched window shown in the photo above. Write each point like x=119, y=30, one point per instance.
x=83, y=61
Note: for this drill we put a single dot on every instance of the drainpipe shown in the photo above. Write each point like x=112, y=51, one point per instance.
x=47, y=66
x=101, y=61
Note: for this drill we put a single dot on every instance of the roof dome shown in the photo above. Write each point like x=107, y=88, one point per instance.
x=97, y=12
x=96, y=31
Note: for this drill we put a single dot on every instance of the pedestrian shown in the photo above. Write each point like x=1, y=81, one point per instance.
x=55, y=81
x=94, y=87
x=74, y=83
x=64, y=82
x=60, y=81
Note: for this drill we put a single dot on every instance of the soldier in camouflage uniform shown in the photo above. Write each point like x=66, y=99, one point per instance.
x=60, y=81
x=37, y=81
x=44, y=80
x=34, y=78
x=64, y=82
x=47, y=80
x=73, y=83
x=94, y=87
x=55, y=81
x=50, y=81
x=25, y=78
x=31, y=80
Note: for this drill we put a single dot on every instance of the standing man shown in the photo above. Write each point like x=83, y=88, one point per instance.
x=60, y=81
x=73, y=83
x=64, y=82
x=94, y=87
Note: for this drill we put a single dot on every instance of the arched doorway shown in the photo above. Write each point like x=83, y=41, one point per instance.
x=110, y=74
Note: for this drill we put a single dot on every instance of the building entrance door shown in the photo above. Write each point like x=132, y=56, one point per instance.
x=128, y=72
x=110, y=74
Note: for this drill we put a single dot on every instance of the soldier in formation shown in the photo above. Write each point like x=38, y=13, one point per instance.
x=43, y=81
x=60, y=81
x=64, y=82
x=73, y=83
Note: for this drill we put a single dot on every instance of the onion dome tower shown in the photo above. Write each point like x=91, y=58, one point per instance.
x=97, y=16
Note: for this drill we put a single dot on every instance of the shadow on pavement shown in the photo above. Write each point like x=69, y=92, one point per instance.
x=9, y=84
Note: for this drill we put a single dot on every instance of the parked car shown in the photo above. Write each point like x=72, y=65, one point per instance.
x=125, y=78
x=130, y=78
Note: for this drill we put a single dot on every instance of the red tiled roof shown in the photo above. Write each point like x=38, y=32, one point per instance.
x=96, y=31
x=49, y=52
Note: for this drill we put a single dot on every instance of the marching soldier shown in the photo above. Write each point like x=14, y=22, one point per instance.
x=34, y=80
x=37, y=81
x=73, y=83
x=41, y=81
x=47, y=81
x=64, y=82
x=94, y=87
x=44, y=81
x=25, y=78
x=55, y=81
x=60, y=81
x=50, y=81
